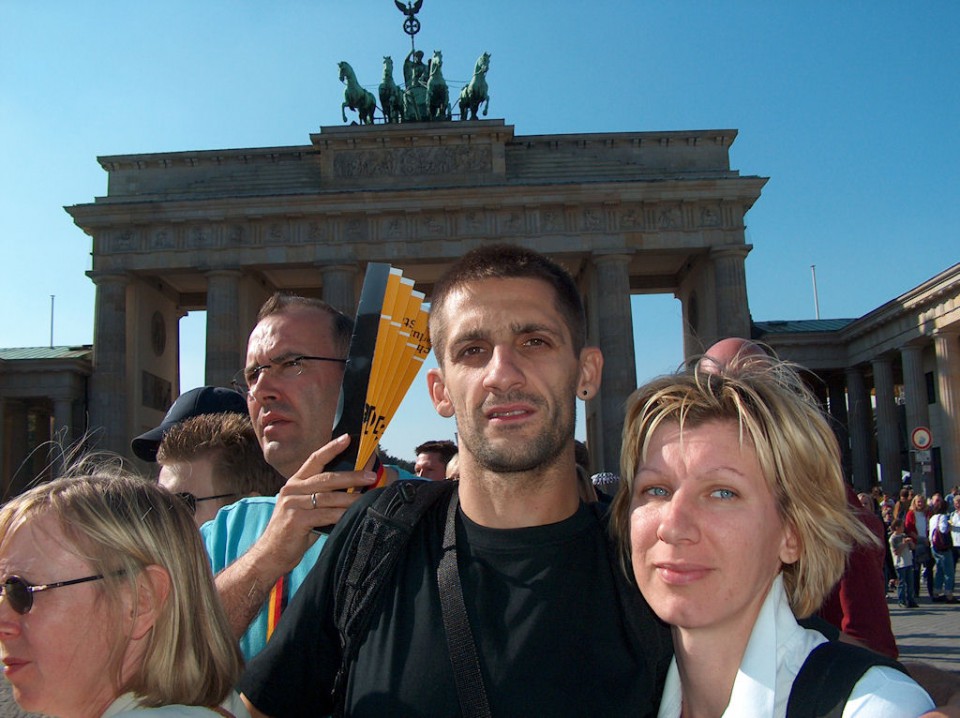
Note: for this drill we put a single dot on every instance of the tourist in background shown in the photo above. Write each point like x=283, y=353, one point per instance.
x=916, y=524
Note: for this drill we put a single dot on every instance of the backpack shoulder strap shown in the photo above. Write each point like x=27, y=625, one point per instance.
x=827, y=677
x=370, y=556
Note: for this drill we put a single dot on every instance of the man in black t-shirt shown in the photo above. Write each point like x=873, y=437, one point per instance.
x=554, y=635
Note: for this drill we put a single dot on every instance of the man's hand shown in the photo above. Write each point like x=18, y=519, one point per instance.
x=310, y=498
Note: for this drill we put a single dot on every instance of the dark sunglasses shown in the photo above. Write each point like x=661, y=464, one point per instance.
x=191, y=501
x=19, y=593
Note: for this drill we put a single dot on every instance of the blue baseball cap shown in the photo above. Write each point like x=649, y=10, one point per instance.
x=196, y=402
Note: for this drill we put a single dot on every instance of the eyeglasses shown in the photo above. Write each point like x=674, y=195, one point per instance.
x=282, y=369
x=191, y=501
x=19, y=593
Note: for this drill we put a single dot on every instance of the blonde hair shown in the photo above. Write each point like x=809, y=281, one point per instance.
x=120, y=524
x=796, y=448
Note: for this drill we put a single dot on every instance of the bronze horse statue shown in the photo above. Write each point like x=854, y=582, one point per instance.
x=475, y=93
x=355, y=97
x=391, y=98
x=438, y=97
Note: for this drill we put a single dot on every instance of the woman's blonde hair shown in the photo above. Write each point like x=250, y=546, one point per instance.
x=797, y=451
x=121, y=524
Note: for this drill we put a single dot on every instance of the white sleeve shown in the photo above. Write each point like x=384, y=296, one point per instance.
x=887, y=693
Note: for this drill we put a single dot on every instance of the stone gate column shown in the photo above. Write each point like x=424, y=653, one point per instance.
x=733, y=312
x=915, y=396
x=888, y=435
x=108, y=405
x=225, y=337
x=947, y=345
x=861, y=415
x=615, y=335
x=339, y=287
x=836, y=392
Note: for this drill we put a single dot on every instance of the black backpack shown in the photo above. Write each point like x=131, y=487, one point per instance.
x=827, y=677
x=376, y=547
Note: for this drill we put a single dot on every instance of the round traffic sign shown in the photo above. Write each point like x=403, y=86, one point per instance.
x=921, y=438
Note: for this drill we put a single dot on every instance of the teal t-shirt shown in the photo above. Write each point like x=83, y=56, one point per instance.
x=229, y=535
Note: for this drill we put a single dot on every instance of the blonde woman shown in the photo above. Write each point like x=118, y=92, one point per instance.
x=107, y=604
x=735, y=522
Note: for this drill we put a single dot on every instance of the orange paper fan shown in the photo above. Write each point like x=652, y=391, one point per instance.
x=389, y=344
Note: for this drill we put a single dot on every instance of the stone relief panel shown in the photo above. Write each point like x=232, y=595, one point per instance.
x=319, y=232
x=163, y=239
x=710, y=216
x=277, y=233
x=511, y=222
x=551, y=220
x=394, y=228
x=669, y=217
x=630, y=219
x=592, y=219
x=411, y=162
x=235, y=235
x=125, y=240
x=432, y=225
x=200, y=238
x=472, y=222
x=355, y=230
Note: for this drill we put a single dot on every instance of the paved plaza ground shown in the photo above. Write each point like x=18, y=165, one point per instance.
x=930, y=633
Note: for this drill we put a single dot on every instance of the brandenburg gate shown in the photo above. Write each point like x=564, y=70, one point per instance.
x=220, y=230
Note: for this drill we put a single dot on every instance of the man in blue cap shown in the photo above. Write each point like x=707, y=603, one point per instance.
x=196, y=402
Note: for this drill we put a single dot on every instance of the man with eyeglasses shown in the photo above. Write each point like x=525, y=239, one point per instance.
x=213, y=460
x=262, y=549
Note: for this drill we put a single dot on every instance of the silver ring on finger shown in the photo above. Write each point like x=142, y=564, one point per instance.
x=313, y=499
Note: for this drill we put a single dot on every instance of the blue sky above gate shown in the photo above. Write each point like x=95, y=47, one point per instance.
x=851, y=109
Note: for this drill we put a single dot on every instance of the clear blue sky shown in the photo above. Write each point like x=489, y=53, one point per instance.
x=852, y=109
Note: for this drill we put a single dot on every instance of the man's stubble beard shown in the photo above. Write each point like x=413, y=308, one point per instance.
x=521, y=455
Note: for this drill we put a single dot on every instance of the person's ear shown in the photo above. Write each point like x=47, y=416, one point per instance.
x=790, y=544
x=591, y=369
x=438, y=393
x=153, y=590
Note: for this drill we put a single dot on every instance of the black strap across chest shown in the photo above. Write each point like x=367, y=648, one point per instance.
x=460, y=642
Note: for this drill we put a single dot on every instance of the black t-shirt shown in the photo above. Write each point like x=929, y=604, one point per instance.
x=543, y=606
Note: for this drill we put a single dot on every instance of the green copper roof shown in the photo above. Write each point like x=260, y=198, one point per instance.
x=801, y=326
x=20, y=353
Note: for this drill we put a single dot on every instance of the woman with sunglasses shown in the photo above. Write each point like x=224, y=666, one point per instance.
x=734, y=519
x=107, y=604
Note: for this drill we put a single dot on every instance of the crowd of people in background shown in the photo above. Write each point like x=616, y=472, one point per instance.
x=923, y=542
